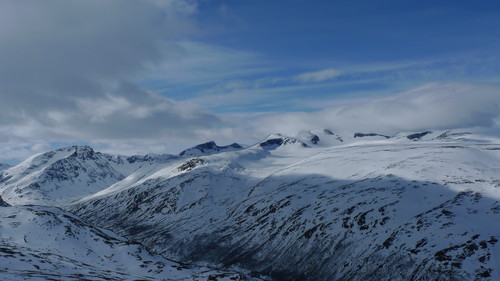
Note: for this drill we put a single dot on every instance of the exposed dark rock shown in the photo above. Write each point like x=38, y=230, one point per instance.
x=84, y=152
x=418, y=136
x=271, y=142
x=315, y=139
x=328, y=132
x=3, y=203
x=210, y=146
x=276, y=142
x=450, y=134
x=191, y=164
x=361, y=135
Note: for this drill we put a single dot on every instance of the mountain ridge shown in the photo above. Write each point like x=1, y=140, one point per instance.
x=416, y=205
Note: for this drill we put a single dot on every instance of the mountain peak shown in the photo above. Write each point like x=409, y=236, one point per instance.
x=83, y=152
x=276, y=140
x=59, y=175
x=209, y=148
x=308, y=137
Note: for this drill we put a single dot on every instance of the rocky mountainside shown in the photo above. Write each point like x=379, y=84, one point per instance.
x=398, y=208
x=46, y=243
x=317, y=206
x=67, y=174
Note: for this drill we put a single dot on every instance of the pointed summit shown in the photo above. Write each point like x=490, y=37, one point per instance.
x=59, y=175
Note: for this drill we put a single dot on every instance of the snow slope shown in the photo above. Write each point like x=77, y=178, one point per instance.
x=419, y=207
x=46, y=243
x=67, y=174
x=317, y=206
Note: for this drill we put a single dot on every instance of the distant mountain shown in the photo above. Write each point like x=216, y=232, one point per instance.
x=209, y=148
x=276, y=140
x=46, y=243
x=364, y=135
x=67, y=174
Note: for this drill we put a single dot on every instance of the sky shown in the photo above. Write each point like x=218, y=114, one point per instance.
x=158, y=76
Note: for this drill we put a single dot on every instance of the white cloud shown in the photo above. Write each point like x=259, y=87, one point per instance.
x=68, y=72
x=433, y=106
x=13, y=149
x=318, y=76
x=430, y=107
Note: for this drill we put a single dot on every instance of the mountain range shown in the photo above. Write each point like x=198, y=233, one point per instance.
x=315, y=206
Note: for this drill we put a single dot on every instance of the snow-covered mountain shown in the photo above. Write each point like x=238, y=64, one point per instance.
x=209, y=148
x=317, y=206
x=46, y=243
x=67, y=174
x=397, y=208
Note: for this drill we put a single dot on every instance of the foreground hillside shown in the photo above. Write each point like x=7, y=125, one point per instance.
x=415, y=206
x=46, y=243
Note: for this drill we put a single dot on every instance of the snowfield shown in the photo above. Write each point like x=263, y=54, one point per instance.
x=317, y=206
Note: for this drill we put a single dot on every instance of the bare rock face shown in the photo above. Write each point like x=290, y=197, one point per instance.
x=3, y=203
x=418, y=136
x=363, y=135
x=209, y=148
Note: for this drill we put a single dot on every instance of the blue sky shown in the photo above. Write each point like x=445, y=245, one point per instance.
x=159, y=76
x=318, y=33
x=353, y=31
x=377, y=48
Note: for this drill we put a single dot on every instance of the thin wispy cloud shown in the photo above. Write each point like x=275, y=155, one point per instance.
x=318, y=76
x=197, y=63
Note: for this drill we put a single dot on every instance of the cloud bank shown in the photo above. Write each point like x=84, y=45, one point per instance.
x=432, y=106
x=68, y=71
